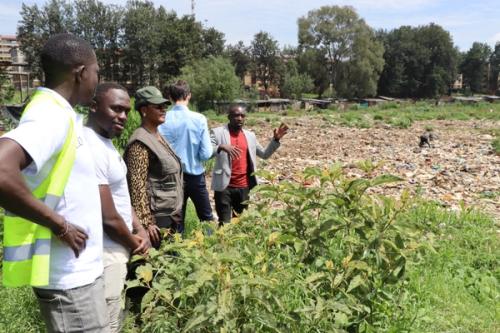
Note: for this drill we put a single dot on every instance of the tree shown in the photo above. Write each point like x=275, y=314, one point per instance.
x=183, y=41
x=240, y=57
x=295, y=84
x=347, y=42
x=213, y=41
x=266, y=63
x=359, y=75
x=475, y=67
x=211, y=80
x=101, y=25
x=419, y=62
x=495, y=68
x=37, y=25
x=311, y=62
x=141, y=41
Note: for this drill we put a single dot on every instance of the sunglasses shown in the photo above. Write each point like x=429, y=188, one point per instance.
x=158, y=106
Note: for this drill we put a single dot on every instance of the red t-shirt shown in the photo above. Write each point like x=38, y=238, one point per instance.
x=239, y=166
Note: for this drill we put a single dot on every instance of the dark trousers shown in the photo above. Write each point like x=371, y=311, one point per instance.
x=229, y=203
x=195, y=188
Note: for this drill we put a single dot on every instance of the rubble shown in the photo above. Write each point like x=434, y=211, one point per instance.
x=457, y=170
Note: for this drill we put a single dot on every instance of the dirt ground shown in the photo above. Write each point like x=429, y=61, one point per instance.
x=459, y=167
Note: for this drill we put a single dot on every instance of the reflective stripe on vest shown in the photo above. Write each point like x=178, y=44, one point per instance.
x=26, y=258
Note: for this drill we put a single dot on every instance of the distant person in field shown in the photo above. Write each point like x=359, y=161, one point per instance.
x=154, y=171
x=235, y=150
x=187, y=132
x=123, y=234
x=53, y=229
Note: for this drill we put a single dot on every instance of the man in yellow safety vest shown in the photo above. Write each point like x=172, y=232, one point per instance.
x=48, y=187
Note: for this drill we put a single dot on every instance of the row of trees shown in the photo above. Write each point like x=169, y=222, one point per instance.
x=337, y=53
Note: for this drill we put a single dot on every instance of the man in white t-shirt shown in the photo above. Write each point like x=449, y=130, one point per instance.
x=73, y=301
x=107, y=118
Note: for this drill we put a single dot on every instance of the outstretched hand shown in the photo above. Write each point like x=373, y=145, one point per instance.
x=280, y=132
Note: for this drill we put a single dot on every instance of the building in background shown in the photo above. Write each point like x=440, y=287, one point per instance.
x=14, y=65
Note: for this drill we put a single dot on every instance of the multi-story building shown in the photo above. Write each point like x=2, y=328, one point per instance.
x=13, y=63
x=7, y=42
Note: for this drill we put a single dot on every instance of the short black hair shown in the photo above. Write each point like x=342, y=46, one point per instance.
x=179, y=90
x=62, y=52
x=235, y=106
x=103, y=88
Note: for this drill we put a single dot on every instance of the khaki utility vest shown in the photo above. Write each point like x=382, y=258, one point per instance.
x=164, y=182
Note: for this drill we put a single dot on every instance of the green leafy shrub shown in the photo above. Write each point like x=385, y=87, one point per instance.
x=318, y=255
x=211, y=79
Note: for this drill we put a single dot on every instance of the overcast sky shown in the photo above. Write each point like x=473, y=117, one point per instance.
x=467, y=21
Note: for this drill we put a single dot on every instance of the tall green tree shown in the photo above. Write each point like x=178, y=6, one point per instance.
x=312, y=62
x=294, y=84
x=419, y=62
x=141, y=40
x=101, y=24
x=36, y=25
x=240, y=57
x=211, y=80
x=266, y=59
x=347, y=42
x=495, y=68
x=474, y=67
x=213, y=42
x=184, y=40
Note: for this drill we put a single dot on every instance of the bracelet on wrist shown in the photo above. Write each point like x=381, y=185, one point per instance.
x=65, y=231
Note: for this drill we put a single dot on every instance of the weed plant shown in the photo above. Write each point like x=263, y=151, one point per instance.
x=322, y=257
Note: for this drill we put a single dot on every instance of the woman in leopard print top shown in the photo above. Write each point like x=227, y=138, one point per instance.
x=154, y=171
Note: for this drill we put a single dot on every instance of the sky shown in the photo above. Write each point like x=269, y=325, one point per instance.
x=467, y=21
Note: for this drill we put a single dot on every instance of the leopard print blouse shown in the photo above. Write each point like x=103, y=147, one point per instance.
x=137, y=160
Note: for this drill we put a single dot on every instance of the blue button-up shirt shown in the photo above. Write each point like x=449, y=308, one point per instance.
x=187, y=132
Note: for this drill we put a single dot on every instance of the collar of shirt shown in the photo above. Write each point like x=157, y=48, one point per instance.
x=180, y=108
x=57, y=96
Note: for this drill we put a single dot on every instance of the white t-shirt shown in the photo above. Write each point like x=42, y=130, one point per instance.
x=42, y=133
x=112, y=171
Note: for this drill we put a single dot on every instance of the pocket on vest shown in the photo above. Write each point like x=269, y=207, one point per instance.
x=164, y=197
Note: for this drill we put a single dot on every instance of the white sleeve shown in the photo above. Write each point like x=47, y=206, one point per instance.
x=42, y=133
x=101, y=162
x=100, y=156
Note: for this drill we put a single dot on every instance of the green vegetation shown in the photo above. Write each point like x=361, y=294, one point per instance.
x=331, y=258
x=211, y=79
x=404, y=115
x=311, y=264
x=496, y=146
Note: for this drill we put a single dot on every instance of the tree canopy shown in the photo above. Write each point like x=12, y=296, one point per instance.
x=419, y=62
x=474, y=67
x=351, y=52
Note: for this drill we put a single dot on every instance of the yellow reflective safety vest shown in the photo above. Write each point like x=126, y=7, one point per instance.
x=26, y=256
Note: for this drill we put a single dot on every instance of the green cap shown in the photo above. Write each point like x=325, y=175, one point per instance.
x=149, y=95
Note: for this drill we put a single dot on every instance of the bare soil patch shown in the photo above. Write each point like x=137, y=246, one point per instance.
x=460, y=167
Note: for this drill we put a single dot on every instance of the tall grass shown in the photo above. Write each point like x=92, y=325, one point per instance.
x=455, y=289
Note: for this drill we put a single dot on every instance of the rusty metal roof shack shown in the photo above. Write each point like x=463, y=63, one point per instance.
x=311, y=103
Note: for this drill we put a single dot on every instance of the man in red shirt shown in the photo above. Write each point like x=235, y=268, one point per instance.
x=236, y=150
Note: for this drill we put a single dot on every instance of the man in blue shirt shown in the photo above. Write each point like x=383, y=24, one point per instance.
x=187, y=132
